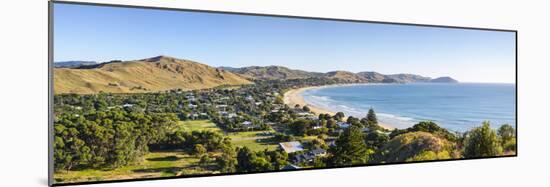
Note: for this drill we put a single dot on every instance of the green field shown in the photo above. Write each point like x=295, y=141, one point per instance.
x=252, y=139
x=156, y=164
x=199, y=125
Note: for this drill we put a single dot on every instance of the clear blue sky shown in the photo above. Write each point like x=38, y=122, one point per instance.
x=100, y=34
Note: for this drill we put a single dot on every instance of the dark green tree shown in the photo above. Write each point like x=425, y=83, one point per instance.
x=482, y=142
x=506, y=132
x=375, y=140
x=339, y=116
x=371, y=117
x=300, y=126
x=278, y=158
x=227, y=162
x=249, y=161
x=354, y=121
x=507, y=135
x=350, y=148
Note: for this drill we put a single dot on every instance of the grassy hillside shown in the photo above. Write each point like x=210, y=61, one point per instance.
x=147, y=75
x=273, y=72
x=416, y=146
x=346, y=76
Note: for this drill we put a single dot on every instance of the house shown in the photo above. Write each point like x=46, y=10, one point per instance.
x=291, y=147
x=221, y=107
x=312, y=117
x=228, y=115
x=192, y=116
x=309, y=156
x=270, y=123
x=298, y=110
x=317, y=126
x=303, y=158
x=127, y=105
x=331, y=143
x=190, y=97
x=247, y=125
x=290, y=167
x=343, y=124
x=192, y=106
x=277, y=106
x=318, y=152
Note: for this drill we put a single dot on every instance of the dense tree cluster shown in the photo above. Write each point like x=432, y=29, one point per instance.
x=250, y=161
x=486, y=142
x=427, y=126
x=189, y=140
x=106, y=138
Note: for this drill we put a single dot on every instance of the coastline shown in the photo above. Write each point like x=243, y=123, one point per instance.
x=293, y=97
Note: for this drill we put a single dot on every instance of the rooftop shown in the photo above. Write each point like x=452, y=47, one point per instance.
x=291, y=147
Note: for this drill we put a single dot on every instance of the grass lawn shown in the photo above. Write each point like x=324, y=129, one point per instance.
x=199, y=125
x=307, y=138
x=253, y=140
x=250, y=139
x=156, y=164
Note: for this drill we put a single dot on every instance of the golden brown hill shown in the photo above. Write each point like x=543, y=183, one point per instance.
x=148, y=75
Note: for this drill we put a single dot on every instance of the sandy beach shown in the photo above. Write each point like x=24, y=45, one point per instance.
x=293, y=97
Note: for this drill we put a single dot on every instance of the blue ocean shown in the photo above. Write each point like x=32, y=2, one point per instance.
x=457, y=107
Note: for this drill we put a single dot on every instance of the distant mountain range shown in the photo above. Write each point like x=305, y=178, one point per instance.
x=164, y=73
x=279, y=72
x=73, y=64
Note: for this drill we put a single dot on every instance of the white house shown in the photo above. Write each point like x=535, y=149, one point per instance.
x=343, y=124
x=291, y=147
x=127, y=105
x=192, y=106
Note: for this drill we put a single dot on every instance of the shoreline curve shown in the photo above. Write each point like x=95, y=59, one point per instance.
x=293, y=97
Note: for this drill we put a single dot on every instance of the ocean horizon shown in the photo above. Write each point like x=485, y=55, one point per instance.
x=457, y=107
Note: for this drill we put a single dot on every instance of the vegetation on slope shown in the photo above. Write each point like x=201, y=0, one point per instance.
x=415, y=146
